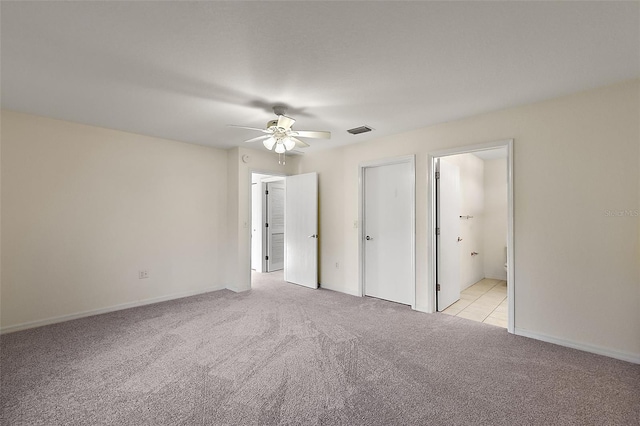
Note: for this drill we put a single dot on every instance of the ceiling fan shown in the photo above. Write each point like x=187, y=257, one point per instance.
x=279, y=135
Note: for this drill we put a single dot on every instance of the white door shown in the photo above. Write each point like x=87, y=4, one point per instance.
x=448, y=218
x=387, y=216
x=301, y=230
x=275, y=225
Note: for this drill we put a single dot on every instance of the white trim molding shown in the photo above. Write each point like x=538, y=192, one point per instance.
x=424, y=309
x=120, y=307
x=598, y=350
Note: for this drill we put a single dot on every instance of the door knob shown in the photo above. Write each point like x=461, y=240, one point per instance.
x=313, y=236
x=369, y=238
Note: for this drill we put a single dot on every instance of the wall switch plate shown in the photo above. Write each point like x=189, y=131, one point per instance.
x=142, y=274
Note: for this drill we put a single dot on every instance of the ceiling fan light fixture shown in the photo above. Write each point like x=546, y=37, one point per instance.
x=278, y=136
x=280, y=149
x=269, y=143
x=289, y=144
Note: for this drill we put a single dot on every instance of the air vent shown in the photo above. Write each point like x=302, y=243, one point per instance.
x=358, y=130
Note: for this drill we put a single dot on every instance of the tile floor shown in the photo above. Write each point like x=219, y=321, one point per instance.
x=485, y=301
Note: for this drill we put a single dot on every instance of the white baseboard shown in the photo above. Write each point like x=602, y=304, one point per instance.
x=424, y=309
x=495, y=277
x=328, y=287
x=63, y=318
x=236, y=290
x=612, y=353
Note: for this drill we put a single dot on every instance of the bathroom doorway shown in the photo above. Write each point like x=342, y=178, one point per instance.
x=471, y=213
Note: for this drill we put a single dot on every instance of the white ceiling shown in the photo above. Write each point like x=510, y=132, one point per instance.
x=183, y=70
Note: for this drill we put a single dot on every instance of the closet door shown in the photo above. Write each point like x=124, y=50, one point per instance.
x=275, y=228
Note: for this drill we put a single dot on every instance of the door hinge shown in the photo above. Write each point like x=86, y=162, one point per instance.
x=437, y=175
x=437, y=231
x=266, y=192
x=266, y=225
x=267, y=258
x=437, y=287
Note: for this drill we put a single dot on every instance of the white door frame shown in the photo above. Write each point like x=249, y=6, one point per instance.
x=411, y=159
x=431, y=223
x=274, y=176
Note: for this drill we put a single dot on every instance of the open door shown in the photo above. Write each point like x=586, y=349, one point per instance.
x=448, y=223
x=274, y=195
x=301, y=230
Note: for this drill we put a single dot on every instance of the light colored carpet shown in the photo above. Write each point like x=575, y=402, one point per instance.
x=283, y=354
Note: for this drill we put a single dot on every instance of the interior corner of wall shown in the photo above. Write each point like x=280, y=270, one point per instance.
x=233, y=153
x=237, y=288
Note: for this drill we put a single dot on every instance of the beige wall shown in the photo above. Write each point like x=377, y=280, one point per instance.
x=495, y=218
x=471, y=230
x=577, y=270
x=239, y=206
x=85, y=208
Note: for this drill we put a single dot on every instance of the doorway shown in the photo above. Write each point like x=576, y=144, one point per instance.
x=387, y=231
x=267, y=222
x=284, y=228
x=471, y=233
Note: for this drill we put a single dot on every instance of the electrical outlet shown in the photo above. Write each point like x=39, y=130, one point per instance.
x=337, y=265
x=355, y=224
x=142, y=274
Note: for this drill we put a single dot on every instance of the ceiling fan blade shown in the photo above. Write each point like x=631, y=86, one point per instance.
x=285, y=122
x=259, y=138
x=312, y=134
x=250, y=128
x=299, y=143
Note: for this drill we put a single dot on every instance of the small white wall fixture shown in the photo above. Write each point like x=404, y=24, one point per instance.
x=410, y=159
x=431, y=223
